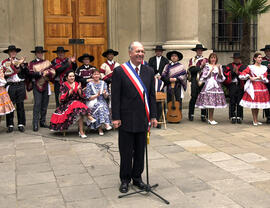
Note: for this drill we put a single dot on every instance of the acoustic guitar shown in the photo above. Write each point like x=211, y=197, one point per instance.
x=174, y=115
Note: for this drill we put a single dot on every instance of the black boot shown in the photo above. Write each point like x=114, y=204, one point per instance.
x=35, y=127
x=191, y=117
x=233, y=120
x=10, y=129
x=203, y=118
x=239, y=120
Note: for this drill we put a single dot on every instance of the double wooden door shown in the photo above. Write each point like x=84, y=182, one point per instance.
x=83, y=22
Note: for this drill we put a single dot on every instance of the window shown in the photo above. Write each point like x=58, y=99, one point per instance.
x=226, y=35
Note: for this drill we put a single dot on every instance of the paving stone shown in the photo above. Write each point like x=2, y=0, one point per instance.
x=93, y=203
x=74, y=179
x=216, y=156
x=80, y=193
x=8, y=201
x=32, y=160
x=195, y=164
x=263, y=185
x=180, y=156
x=252, y=175
x=169, y=149
x=233, y=165
x=212, y=199
x=107, y=181
x=45, y=202
x=33, y=152
x=100, y=170
x=250, y=157
x=190, y=143
x=162, y=163
x=37, y=190
x=33, y=168
x=64, y=169
x=30, y=145
x=35, y=178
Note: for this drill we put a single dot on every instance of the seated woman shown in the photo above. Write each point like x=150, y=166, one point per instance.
x=96, y=92
x=6, y=105
x=71, y=107
x=212, y=95
x=256, y=95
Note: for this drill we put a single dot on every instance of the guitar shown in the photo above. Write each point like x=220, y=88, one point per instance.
x=174, y=115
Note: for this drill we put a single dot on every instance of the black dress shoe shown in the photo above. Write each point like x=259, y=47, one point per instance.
x=35, y=128
x=268, y=120
x=140, y=184
x=21, y=128
x=159, y=126
x=123, y=187
x=239, y=121
x=190, y=117
x=10, y=129
x=233, y=121
x=43, y=125
x=203, y=118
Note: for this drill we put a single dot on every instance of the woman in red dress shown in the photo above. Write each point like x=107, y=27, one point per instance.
x=256, y=94
x=71, y=107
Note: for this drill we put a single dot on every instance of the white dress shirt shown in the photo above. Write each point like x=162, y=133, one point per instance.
x=158, y=58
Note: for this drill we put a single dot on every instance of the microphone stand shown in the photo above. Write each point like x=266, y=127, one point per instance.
x=149, y=188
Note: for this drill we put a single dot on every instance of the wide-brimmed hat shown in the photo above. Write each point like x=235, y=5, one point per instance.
x=12, y=48
x=267, y=47
x=60, y=49
x=86, y=55
x=236, y=55
x=39, y=49
x=199, y=46
x=159, y=48
x=170, y=53
x=105, y=53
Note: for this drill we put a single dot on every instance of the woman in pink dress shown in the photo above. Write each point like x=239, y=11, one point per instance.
x=256, y=94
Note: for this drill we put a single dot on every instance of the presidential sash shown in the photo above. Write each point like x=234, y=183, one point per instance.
x=139, y=85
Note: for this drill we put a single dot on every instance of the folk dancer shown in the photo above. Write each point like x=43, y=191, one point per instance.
x=41, y=72
x=266, y=62
x=194, y=71
x=85, y=71
x=236, y=88
x=61, y=65
x=15, y=71
x=175, y=72
x=158, y=61
x=256, y=94
x=212, y=95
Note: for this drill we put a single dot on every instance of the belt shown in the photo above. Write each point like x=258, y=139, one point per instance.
x=15, y=83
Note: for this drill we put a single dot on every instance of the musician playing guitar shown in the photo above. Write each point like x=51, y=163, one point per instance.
x=175, y=77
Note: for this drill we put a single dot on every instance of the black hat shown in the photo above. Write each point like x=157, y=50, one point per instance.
x=86, y=55
x=12, y=48
x=39, y=49
x=170, y=53
x=236, y=55
x=267, y=47
x=60, y=49
x=199, y=46
x=105, y=53
x=159, y=48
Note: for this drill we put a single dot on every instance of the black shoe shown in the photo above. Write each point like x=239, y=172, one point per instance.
x=140, y=184
x=123, y=187
x=159, y=126
x=190, y=117
x=43, y=125
x=239, y=121
x=233, y=121
x=35, y=127
x=10, y=129
x=21, y=128
x=268, y=120
x=203, y=118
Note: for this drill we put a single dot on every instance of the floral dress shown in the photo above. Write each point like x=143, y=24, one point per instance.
x=69, y=110
x=212, y=94
x=99, y=107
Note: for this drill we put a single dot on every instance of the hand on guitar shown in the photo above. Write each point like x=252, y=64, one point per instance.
x=173, y=79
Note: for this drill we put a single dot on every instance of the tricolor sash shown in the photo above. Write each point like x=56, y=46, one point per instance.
x=138, y=84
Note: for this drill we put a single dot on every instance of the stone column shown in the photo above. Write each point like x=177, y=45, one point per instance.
x=182, y=24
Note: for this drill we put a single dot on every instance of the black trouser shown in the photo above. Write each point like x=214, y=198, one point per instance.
x=56, y=92
x=41, y=101
x=195, y=91
x=131, y=149
x=236, y=94
x=267, y=111
x=159, y=110
x=17, y=95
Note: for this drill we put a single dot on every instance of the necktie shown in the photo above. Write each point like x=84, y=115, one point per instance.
x=137, y=69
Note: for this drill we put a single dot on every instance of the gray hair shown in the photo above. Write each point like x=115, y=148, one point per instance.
x=130, y=47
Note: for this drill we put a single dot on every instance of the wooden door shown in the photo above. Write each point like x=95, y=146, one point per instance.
x=76, y=19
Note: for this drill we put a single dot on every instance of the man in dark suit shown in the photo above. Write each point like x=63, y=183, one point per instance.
x=130, y=116
x=158, y=61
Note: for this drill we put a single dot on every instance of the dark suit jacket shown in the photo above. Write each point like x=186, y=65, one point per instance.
x=127, y=104
x=153, y=63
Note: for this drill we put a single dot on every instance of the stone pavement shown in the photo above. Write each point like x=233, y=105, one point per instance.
x=196, y=166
